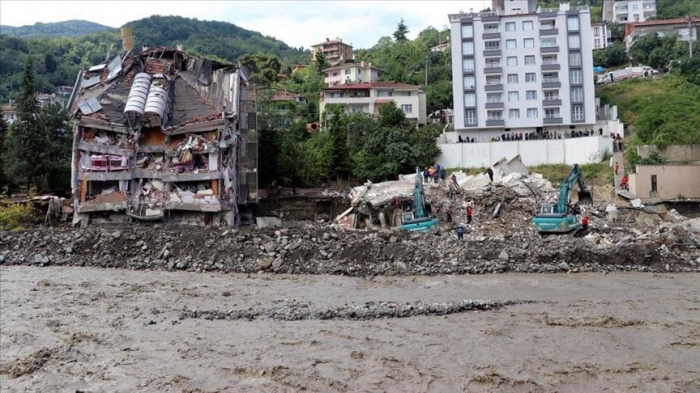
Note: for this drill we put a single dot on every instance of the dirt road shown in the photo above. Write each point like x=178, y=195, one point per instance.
x=89, y=329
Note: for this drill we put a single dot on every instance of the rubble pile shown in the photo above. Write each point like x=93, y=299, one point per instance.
x=317, y=248
x=298, y=311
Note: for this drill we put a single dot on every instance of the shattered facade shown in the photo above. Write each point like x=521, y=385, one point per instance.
x=163, y=135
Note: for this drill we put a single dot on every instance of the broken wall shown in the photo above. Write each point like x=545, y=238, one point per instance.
x=672, y=181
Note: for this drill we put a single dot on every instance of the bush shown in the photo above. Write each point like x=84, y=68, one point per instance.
x=12, y=215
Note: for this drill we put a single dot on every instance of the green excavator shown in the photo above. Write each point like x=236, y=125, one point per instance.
x=560, y=218
x=417, y=220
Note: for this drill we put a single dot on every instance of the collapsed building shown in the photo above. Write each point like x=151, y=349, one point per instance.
x=161, y=135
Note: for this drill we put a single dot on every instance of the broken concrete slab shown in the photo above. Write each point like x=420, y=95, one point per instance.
x=637, y=203
x=264, y=222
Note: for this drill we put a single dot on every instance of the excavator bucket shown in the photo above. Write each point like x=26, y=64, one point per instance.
x=585, y=197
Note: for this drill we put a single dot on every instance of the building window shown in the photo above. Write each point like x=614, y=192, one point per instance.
x=384, y=93
x=654, y=184
x=468, y=65
x=492, y=45
x=347, y=71
x=551, y=95
x=550, y=77
x=512, y=78
x=494, y=115
x=513, y=96
x=469, y=82
x=470, y=117
x=547, y=25
x=550, y=113
x=572, y=23
x=514, y=113
x=493, y=98
x=491, y=63
x=596, y=31
x=407, y=108
x=469, y=99
x=529, y=60
x=532, y=113
x=550, y=59
x=596, y=43
x=336, y=95
x=529, y=42
x=491, y=28
x=335, y=74
x=575, y=59
x=511, y=44
x=577, y=94
x=468, y=48
x=356, y=109
x=574, y=41
x=635, y=7
x=510, y=26
x=512, y=61
x=577, y=112
x=546, y=42
x=576, y=77
x=530, y=77
x=493, y=80
x=467, y=31
x=531, y=95
x=527, y=25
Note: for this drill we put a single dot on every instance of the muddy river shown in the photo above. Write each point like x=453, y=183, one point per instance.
x=91, y=330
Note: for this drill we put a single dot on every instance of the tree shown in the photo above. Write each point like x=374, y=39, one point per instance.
x=27, y=158
x=401, y=31
x=337, y=129
x=53, y=119
x=613, y=55
x=321, y=62
x=263, y=68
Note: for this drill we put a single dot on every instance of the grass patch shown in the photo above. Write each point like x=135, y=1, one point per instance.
x=593, y=174
x=13, y=215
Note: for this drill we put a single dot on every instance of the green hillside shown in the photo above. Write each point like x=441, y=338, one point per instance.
x=58, y=59
x=69, y=28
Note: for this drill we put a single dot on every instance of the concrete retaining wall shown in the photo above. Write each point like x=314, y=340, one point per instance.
x=674, y=153
x=586, y=150
x=671, y=181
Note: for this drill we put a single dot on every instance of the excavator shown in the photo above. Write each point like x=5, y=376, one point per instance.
x=417, y=220
x=560, y=218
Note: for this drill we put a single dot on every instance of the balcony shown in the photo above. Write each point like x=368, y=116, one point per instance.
x=547, y=13
x=347, y=100
x=576, y=82
x=552, y=102
x=553, y=120
x=551, y=67
x=551, y=84
x=581, y=119
x=494, y=87
x=493, y=70
x=494, y=105
x=492, y=52
x=491, y=35
x=495, y=123
x=490, y=17
x=549, y=49
x=549, y=31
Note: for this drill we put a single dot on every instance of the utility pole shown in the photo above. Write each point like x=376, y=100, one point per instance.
x=690, y=36
x=426, y=70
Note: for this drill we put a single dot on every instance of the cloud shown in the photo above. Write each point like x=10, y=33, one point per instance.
x=298, y=23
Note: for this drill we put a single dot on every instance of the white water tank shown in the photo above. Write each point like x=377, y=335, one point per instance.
x=136, y=102
x=156, y=101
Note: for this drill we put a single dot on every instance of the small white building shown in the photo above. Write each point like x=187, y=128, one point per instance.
x=351, y=72
x=686, y=29
x=366, y=97
x=601, y=35
x=623, y=11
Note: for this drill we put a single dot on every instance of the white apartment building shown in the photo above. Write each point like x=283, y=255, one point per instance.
x=601, y=35
x=351, y=72
x=367, y=97
x=623, y=11
x=522, y=69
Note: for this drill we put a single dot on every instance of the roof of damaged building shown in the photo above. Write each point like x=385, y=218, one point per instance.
x=192, y=89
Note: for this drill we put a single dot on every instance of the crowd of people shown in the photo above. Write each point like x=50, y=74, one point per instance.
x=436, y=173
x=537, y=135
x=617, y=143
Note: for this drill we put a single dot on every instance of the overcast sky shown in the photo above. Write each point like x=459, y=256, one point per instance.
x=298, y=23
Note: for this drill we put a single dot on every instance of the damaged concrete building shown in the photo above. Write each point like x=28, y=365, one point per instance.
x=161, y=135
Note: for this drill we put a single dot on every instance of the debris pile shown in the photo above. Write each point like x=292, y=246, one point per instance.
x=317, y=248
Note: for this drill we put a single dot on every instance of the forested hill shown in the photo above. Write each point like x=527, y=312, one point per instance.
x=69, y=28
x=58, y=59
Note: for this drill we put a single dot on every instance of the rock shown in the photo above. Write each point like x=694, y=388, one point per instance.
x=326, y=236
x=116, y=234
x=401, y=266
x=270, y=247
x=503, y=255
x=563, y=266
x=264, y=262
x=171, y=265
x=181, y=265
x=636, y=203
x=277, y=263
x=393, y=239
